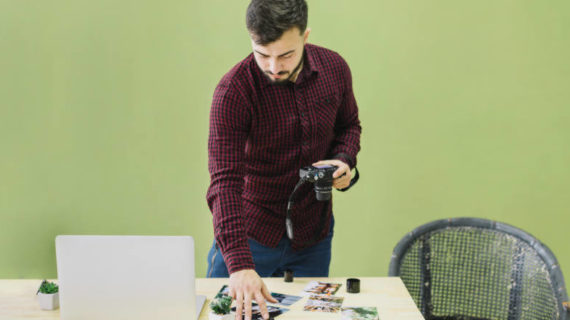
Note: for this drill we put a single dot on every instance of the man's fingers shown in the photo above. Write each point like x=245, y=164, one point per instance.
x=340, y=186
x=239, y=305
x=267, y=294
x=341, y=182
x=343, y=169
x=338, y=173
x=247, y=304
x=342, y=172
x=342, y=179
x=262, y=306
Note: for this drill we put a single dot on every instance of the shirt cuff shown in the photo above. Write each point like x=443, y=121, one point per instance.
x=345, y=158
x=239, y=259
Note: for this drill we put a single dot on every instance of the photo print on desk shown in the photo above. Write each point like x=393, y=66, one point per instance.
x=317, y=287
x=285, y=299
x=323, y=303
x=360, y=313
x=256, y=311
x=282, y=298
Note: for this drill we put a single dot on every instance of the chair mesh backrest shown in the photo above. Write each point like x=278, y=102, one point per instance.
x=473, y=272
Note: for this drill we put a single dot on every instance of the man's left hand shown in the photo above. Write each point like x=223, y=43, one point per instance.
x=341, y=177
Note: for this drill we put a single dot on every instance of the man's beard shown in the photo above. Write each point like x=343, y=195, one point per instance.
x=286, y=81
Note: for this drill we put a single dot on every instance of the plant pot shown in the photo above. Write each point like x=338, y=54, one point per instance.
x=214, y=316
x=48, y=301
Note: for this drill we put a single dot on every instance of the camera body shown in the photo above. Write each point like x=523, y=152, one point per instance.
x=321, y=177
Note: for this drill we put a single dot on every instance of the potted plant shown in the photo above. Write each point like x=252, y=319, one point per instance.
x=48, y=295
x=220, y=308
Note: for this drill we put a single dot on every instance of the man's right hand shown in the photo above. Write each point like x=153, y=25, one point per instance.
x=246, y=286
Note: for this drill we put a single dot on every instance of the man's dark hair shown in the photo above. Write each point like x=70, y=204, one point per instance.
x=267, y=20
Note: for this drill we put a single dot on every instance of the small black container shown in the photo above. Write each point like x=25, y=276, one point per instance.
x=353, y=285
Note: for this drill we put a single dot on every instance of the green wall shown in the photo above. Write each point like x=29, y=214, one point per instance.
x=104, y=119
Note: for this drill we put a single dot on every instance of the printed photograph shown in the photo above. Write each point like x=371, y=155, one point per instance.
x=256, y=312
x=317, y=287
x=360, y=313
x=323, y=303
x=285, y=299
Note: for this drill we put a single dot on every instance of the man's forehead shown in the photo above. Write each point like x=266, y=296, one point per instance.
x=270, y=53
x=275, y=48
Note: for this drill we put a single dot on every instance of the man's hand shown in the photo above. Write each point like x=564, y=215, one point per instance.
x=341, y=177
x=246, y=286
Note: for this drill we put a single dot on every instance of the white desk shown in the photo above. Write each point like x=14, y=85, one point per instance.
x=389, y=295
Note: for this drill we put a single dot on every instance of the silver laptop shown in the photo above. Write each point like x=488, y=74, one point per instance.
x=127, y=277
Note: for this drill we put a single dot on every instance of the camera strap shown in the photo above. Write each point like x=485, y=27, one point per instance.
x=352, y=181
x=290, y=202
x=289, y=222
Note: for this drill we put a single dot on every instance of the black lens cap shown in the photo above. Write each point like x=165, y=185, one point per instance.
x=352, y=285
x=288, y=275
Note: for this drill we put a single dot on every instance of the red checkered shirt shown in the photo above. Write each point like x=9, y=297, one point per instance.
x=261, y=135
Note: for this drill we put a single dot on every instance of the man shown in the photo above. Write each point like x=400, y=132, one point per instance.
x=287, y=105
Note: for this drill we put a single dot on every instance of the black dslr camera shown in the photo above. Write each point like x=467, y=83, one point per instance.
x=322, y=177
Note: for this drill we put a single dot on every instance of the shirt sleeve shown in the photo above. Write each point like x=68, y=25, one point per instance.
x=347, y=128
x=229, y=128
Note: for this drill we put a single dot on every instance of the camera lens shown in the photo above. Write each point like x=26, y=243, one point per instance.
x=323, y=193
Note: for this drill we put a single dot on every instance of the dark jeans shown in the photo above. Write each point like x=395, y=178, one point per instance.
x=313, y=261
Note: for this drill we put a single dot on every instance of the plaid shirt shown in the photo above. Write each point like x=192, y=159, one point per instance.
x=261, y=135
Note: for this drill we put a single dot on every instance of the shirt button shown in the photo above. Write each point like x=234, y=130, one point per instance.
x=302, y=114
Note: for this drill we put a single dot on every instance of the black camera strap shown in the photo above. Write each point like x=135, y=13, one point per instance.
x=352, y=181
x=289, y=222
x=290, y=202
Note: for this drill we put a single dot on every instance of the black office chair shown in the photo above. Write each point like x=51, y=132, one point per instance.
x=475, y=269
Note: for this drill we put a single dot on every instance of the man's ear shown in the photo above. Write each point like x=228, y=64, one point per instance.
x=306, y=35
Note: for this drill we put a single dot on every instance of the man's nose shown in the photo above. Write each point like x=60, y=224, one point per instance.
x=273, y=66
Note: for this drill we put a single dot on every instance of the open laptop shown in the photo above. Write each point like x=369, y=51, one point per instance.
x=127, y=277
